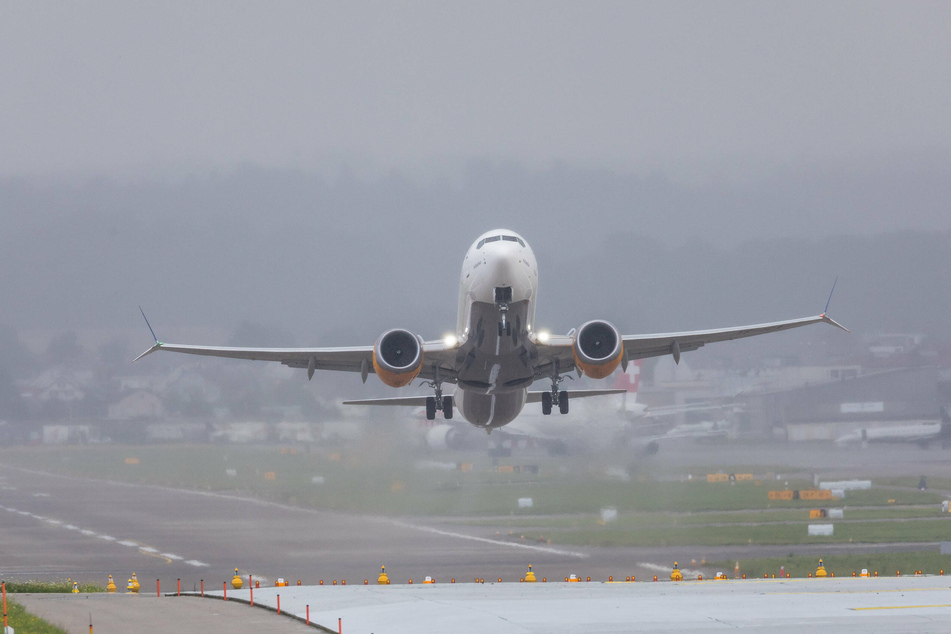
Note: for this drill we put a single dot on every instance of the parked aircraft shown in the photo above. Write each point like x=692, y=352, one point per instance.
x=497, y=351
x=922, y=434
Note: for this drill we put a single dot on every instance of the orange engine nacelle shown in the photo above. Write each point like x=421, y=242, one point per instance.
x=397, y=357
x=598, y=349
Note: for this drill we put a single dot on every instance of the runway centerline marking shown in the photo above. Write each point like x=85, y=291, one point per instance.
x=486, y=540
x=145, y=550
x=265, y=503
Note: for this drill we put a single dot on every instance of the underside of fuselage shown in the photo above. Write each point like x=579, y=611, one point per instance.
x=495, y=364
x=490, y=411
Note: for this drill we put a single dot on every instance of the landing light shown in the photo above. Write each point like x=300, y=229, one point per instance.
x=543, y=336
x=450, y=341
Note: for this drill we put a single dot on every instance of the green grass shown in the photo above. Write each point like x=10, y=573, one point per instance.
x=929, y=562
x=633, y=521
x=24, y=622
x=567, y=498
x=731, y=535
x=50, y=587
x=912, y=482
x=362, y=481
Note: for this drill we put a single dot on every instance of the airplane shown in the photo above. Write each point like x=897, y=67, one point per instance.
x=497, y=352
x=922, y=433
x=613, y=422
x=592, y=427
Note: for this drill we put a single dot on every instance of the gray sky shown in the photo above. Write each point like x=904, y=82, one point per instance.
x=708, y=89
x=220, y=162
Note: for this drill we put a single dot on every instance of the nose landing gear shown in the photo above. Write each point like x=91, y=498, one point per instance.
x=503, y=295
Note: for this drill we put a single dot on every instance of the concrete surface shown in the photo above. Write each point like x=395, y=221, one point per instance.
x=884, y=604
x=153, y=615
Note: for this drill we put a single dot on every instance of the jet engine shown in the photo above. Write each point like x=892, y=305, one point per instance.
x=397, y=357
x=598, y=349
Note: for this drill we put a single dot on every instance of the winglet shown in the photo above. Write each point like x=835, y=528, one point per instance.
x=156, y=338
x=833, y=322
x=828, y=319
x=158, y=344
x=823, y=312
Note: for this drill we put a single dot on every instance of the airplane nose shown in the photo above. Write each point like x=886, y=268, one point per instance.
x=501, y=269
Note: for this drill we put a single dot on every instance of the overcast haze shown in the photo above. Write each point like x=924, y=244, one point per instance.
x=119, y=87
x=674, y=165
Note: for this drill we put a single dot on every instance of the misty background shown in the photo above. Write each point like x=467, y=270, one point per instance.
x=312, y=174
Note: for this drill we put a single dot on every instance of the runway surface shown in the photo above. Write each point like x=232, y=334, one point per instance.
x=56, y=527
x=909, y=604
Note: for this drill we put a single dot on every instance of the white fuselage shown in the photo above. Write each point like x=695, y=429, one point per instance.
x=499, y=284
x=498, y=263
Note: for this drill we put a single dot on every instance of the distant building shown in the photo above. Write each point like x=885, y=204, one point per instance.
x=139, y=405
x=828, y=409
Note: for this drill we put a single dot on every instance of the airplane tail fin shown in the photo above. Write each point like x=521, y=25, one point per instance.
x=630, y=380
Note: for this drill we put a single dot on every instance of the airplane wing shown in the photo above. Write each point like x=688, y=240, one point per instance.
x=558, y=349
x=400, y=401
x=346, y=359
x=643, y=346
x=420, y=401
x=536, y=397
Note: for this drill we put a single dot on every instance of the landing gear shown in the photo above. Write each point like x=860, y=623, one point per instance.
x=447, y=407
x=438, y=402
x=555, y=397
x=503, y=295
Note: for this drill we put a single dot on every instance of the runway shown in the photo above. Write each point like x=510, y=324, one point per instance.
x=56, y=527
x=919, y=604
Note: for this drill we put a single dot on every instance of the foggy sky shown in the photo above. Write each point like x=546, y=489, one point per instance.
x=323, y=166
x=692, y=90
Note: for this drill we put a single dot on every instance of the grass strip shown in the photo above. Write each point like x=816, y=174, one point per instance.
x=50, y=587
x=25, y=623
x=886, y=564
x=733, y=535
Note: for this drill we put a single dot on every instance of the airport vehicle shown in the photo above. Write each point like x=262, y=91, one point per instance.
x=497, y=351
x=922, y=433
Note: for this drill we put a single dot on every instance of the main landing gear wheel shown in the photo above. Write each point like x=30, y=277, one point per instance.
x=446, y=407
x=430, y=408
x=546, y=403
x=563, y=402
